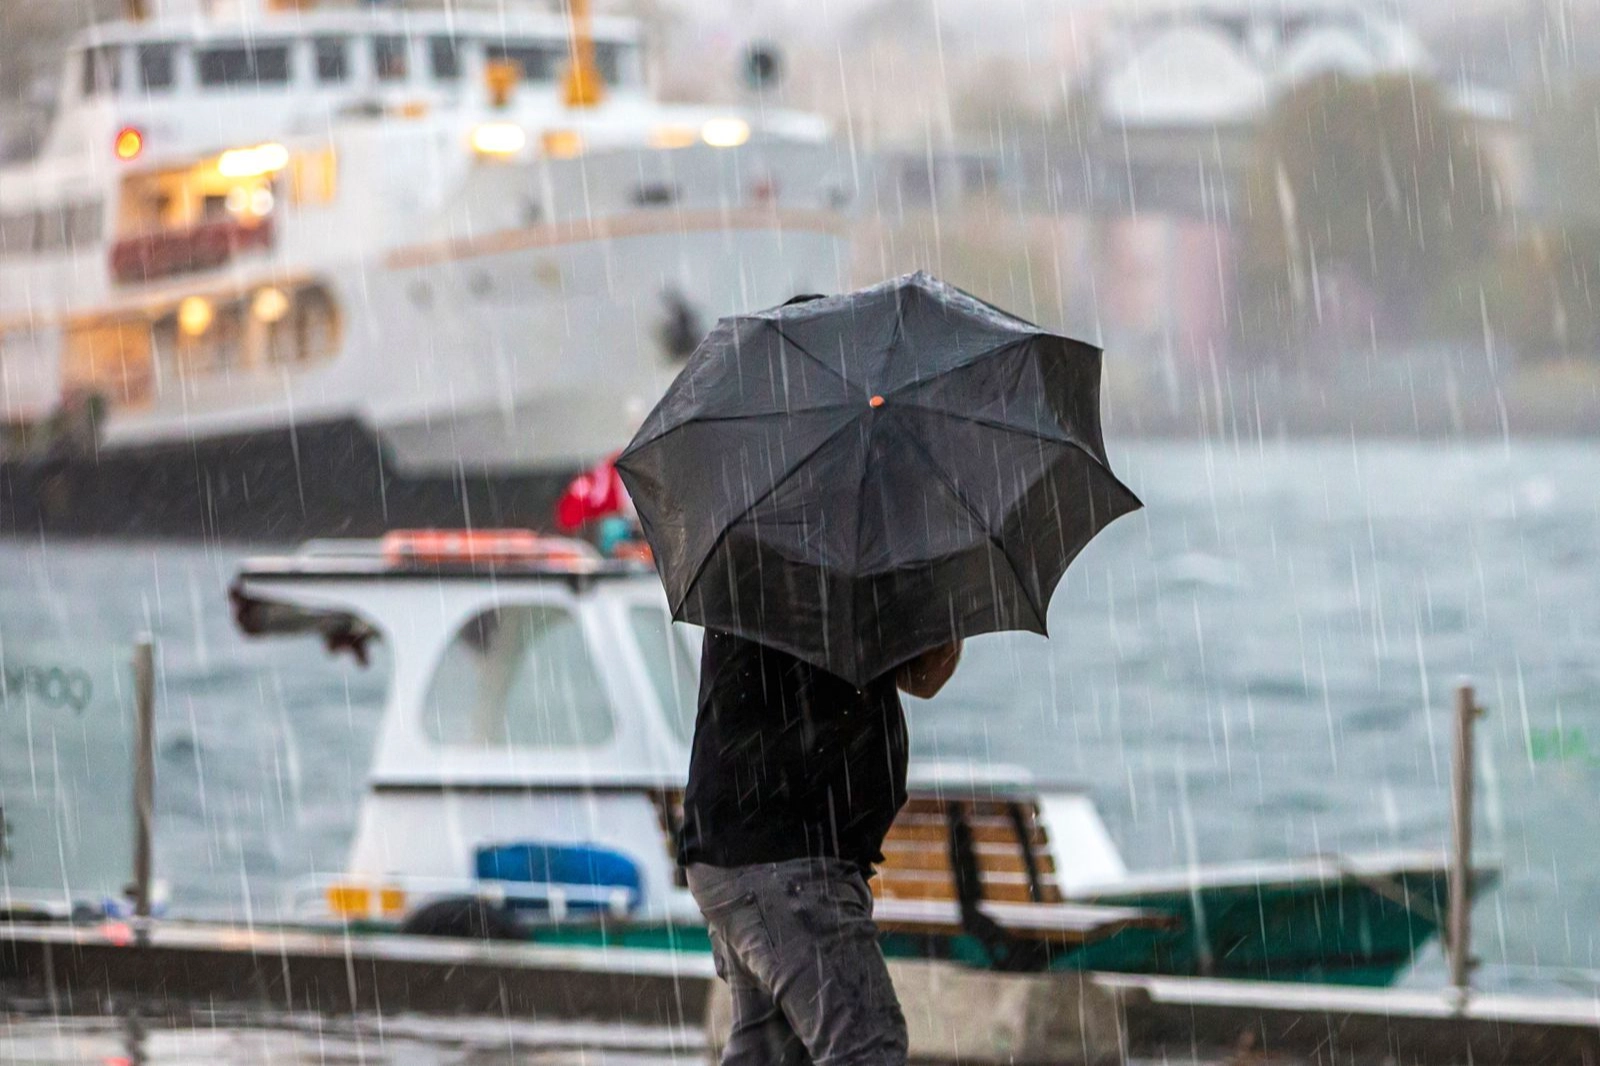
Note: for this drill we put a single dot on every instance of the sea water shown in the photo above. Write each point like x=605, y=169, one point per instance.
x=1259, y=664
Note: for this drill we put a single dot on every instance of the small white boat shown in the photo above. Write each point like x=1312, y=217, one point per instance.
x=528, y=774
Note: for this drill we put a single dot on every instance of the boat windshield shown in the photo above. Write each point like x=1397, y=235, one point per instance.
x=518, y=677
x=672, y=669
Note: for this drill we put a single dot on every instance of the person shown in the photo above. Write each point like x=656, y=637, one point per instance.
x=795, y=776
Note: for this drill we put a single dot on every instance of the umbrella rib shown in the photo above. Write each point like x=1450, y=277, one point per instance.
x=702, y=420
x=807, y=352
x=967, y=361
x=722, y=535
x=955, y=492
x=1005, y=427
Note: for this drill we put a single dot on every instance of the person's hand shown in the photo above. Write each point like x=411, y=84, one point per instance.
x=925, y=675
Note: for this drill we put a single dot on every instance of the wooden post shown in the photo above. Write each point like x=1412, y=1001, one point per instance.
x=144, y=773
x=1459, y=935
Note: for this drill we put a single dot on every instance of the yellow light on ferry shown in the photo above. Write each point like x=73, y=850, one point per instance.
x=499, y=138
x=725, y=132
x=255, y=162
x=673, y=136
x=562, y=144
x=129, y=143
x=194, y=315
x=270, y=305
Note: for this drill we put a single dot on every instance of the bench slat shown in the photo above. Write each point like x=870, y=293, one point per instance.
x=918, y=855
x=936, y=832
x=1061, y=923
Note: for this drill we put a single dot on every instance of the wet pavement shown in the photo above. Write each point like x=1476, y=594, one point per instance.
x=39, y=1038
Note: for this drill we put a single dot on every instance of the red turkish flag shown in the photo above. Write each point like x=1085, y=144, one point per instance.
x=593, y=494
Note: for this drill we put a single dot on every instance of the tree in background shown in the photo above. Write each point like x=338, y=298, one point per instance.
x=1564, y=136
x=1361, y=199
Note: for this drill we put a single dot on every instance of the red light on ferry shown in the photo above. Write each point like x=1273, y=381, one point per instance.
x=130, y=142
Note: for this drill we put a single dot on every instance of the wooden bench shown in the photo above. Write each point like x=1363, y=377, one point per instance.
x=982, y=865
x=978, y=865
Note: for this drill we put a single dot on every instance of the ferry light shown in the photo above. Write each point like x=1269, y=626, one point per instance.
x=673, y=136
x=563, y=144
x=269, y=305
x=255, y=162
x=499, y=139
x=725, y=132
x=194, y=315
x=129, y=143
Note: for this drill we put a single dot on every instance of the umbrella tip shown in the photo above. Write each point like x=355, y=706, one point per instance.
x=876, y=401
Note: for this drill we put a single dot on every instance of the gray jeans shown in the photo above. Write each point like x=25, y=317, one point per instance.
x=796, y=944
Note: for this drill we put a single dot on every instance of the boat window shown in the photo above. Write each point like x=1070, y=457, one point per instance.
x=316, y=325
x=158, y=66
x=444, y=54
x=538, y=62
x=672, y=670
x=518, y=677
x=108, y=358
x=608, y=60
x=84, y=222
x=245, y=64
x=50, y=233
x=314, y=177
x=16, y=233
x=389, y=58
x=102, y=71
x=332, y=58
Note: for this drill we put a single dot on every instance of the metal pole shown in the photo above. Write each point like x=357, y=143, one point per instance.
x=144, y=773
x=1461, y=769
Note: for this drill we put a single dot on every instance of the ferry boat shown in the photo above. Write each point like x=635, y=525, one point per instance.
x=284, y=270
x=527, y=780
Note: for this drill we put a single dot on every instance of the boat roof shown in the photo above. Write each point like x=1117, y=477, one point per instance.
x=475, y=557
x=320, y=21
x=301, y=568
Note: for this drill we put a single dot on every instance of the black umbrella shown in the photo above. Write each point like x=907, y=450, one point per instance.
x=855, y=479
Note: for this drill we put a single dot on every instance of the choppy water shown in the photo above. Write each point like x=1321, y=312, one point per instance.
x=1259, y=664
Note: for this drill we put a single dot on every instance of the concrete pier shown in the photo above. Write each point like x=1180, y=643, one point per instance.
x=1170, y=1017
x=959, y=1015
x=86, y=969
x=954, y=1014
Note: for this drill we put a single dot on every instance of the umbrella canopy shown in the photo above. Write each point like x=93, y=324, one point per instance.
x=856, y=479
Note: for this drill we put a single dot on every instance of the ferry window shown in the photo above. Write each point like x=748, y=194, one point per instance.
x=608, y=60
x=538, y=62
x=108, y=358
x=157, y=66
x=102, y=70
x=445, y=56
x=389, y=58
x=672, y=670
x=244, y=65
x=314, y=177
x=518, y=677
x=51, y=232
x=333, y=59
x=316, y=325
x=83, y=223
x=16, y=233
